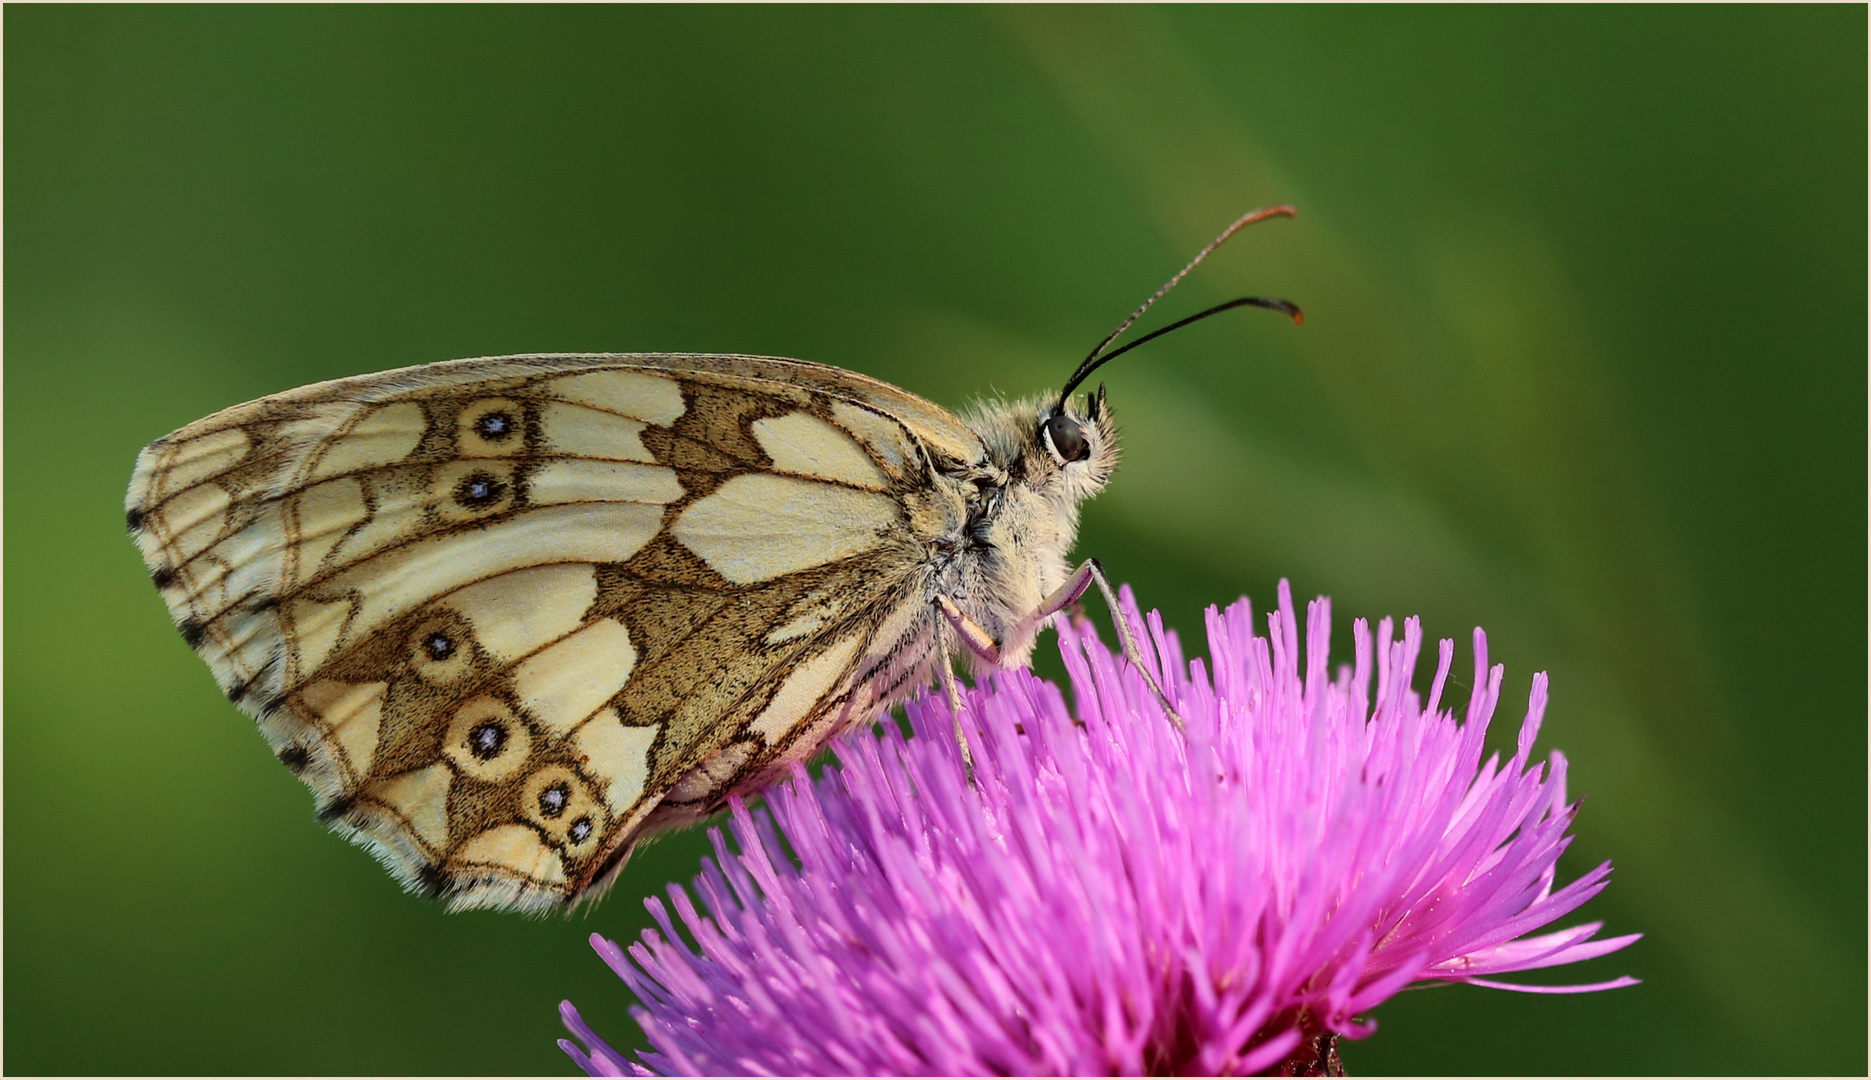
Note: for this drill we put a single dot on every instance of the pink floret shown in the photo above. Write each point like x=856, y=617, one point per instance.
x=1112, y=895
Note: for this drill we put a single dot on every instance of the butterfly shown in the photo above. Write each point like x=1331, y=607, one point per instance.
x=507, y=617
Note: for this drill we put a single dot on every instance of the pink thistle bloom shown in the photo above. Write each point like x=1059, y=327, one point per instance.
x=1113, y=895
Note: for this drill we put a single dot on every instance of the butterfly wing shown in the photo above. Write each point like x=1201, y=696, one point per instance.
x=504, y=615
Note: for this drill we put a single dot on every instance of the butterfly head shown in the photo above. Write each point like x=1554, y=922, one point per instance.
x=1076, y=447
x=1045, y=457
x=1061, y=451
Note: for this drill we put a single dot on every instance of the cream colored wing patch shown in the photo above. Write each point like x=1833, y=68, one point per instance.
x=760, y=526
x=802, y=443
x=495, y=613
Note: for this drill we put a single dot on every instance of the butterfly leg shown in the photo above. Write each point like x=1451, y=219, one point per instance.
x=1076, y=584
x=945, y=670
x=1068, y=594
x=1091, y=571
x=978, y=640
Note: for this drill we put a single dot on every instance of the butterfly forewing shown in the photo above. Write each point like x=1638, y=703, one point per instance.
x=505, y=615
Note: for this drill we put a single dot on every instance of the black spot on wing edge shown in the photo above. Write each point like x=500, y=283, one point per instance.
x=163, y=577
x=337, y=808
x=295, y=758
x=193, y=632
x=133, y=518
x=241, y=689
x=432, y=881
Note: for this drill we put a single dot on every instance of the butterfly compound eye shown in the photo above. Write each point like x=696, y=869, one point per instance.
x=1066, y=439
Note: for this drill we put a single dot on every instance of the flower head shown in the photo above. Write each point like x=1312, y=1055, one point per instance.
x=1111, y=894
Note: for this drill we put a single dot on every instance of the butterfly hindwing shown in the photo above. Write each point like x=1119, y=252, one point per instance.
x=502, y=616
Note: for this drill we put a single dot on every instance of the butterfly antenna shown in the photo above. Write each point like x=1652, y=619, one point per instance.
x=1098, y=357
x=1285, y=307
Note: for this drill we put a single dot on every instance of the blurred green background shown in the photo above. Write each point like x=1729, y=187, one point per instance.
x=1584, y=364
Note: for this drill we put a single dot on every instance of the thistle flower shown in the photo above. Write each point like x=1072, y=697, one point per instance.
x=1111, y=894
